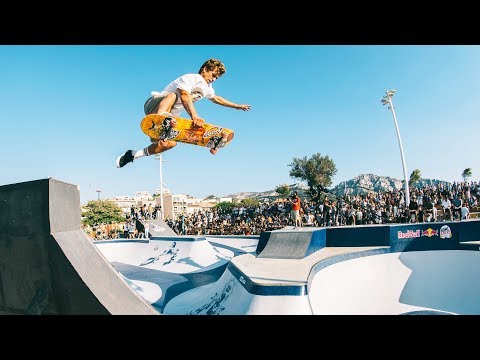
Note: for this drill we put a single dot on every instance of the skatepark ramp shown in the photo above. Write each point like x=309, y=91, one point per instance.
x=424, y=282
x=159, y=228
x=290, y=243
x=47, y=264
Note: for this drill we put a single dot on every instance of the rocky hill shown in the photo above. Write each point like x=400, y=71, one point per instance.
x=364, y=183
x=361, y=184
x=269, y=195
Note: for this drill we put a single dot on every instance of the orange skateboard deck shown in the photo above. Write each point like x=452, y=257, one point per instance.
x=208, y=135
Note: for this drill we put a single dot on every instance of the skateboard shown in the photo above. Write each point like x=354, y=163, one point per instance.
x=208, y=135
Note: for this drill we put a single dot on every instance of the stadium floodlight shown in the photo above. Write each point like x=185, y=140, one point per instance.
x=387, y=99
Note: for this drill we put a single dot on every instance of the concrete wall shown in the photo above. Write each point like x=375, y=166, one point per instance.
x=47, y=264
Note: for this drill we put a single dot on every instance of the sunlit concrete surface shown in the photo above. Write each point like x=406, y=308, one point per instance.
x=228, y=296
x=49, y=266
x=428, y=282
x=225, y=276
x=176, y=255
x=236, y=243
x=147, y=290
x=162, y=268
x=220, y=283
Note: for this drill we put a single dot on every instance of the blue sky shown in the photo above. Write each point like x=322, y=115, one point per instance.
x=68, y=111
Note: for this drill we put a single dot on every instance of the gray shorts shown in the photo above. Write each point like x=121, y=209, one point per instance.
x=151, y=104
x=295, y=214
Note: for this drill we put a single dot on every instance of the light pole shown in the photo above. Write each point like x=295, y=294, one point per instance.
x=387, y=99
x=159, y=157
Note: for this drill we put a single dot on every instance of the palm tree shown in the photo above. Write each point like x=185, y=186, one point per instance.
x=467, y=173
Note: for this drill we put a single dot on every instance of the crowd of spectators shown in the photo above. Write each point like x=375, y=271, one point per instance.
x=103, y=231
x=134, y=227
x=427, y=204
x=450, y=202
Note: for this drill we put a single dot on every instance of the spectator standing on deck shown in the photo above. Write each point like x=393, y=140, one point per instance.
x=464, y=211
x=295, y=212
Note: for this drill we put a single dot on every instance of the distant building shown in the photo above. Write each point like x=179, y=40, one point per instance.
x=199, y=207
x=173, y=205
x=166, y=191
x=123, y=202
x=193, y=200
x=140, y=198
x=211, y=201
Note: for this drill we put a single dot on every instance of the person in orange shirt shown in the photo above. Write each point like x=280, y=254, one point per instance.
x=295, y=212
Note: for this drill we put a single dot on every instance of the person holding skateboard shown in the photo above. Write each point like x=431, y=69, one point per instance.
x=179, y=95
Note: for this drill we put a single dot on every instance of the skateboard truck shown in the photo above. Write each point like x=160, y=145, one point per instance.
x=217, y=140
x=167, y=128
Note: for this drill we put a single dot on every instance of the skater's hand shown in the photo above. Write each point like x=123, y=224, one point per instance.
x=198, y=121
x=243, y=107
x=213, y=151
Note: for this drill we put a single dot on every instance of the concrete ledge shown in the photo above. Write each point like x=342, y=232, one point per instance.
x=260, y=276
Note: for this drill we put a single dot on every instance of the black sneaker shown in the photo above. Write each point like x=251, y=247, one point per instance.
x=124, y=159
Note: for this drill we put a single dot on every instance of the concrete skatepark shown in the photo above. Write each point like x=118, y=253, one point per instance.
x=49, y=266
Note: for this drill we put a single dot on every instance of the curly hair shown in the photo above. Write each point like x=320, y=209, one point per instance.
x=213, y=64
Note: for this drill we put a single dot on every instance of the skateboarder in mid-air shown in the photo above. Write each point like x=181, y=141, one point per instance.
x=180, y=95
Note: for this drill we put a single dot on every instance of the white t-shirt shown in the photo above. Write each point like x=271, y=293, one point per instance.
x=446, y=204
x=195, y=84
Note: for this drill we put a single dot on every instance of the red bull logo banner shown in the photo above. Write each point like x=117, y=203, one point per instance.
x=429, y=232
x=408, y=234
x=445, y=232
x=424, y=236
